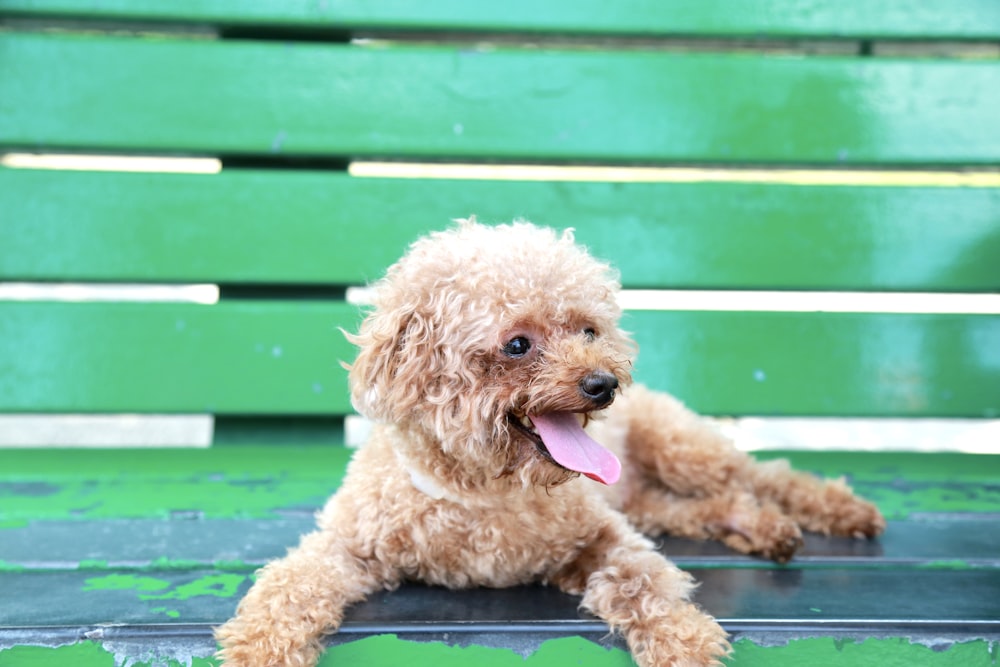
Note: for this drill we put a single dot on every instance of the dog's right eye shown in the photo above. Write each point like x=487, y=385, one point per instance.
x=517, y=347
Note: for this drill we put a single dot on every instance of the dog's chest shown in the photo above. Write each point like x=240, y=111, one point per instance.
x=498, y=546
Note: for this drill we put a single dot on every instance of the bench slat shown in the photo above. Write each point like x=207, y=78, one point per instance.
x=959, y=541
x=278, y=480
x=504, y=645
x=300, y=227
x=123, y=94
x=822, y=363
x=282, y=358
x=263, y=357
x=965, y=19
x=818, y=597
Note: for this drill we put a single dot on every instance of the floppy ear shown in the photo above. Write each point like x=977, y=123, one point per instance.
x=396, y=363
x=380, y=341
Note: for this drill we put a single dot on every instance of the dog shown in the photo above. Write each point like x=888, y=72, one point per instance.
x=493, y=365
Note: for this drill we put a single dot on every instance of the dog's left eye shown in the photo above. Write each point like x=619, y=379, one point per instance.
x=517, y=347
x=590, y=333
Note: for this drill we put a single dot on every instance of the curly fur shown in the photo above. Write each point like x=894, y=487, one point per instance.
x=449, y=490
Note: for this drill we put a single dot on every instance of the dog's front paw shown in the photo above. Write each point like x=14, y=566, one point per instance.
x=248, y=644
x=686, y=638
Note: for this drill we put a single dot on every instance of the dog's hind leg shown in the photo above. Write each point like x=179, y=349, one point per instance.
x=820, y=505
x=681, y=463
x=666, y=442
x=735, y=518
x=295, y=602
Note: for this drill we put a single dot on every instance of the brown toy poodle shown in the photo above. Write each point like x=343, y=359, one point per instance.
x=493, y=365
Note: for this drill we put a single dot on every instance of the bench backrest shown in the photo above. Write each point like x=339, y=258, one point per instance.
x=851, y=147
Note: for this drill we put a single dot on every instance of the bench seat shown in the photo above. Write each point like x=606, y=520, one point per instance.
x=116, y=549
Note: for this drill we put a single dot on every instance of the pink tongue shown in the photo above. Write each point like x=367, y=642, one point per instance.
x=572, y=448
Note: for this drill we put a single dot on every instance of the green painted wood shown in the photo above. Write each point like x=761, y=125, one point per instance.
x=315, y=227
x=832, y=652
x=183, y=598
x=965, y=19
x=822, y=363
x=829, y=596
x=126, y=94
x=390, y=651
x=962, y=541
x=249, y=481
x=272, y=481
x=284, y=358
x=815, y=599
x=236, y=357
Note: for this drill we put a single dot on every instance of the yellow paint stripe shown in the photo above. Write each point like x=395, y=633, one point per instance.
x=520, y=172
x=786, y=302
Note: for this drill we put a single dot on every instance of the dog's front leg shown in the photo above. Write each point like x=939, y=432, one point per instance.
x=646, y=598
x=294, y=603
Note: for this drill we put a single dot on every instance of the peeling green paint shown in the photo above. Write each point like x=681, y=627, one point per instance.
x=219, y=482
x=84, y=654
x=148, y=588
x=123, y=582
x=216, y=585
x=954, y=564
x=390, y=651
x=259, y=481
x=874, y=652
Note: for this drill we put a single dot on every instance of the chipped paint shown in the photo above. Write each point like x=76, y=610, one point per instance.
x=121, y=582
x=268, y=481
x=215, y=585
x=220, y=585
x=259, y=482
x=391, y=651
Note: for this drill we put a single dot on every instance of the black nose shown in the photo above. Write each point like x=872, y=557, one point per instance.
x=599, y=387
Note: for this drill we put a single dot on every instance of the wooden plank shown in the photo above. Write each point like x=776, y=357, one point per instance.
x=279, y=480
x=193, y=645
x=235, y=357
x=822, y=363
x=222, y=482
x=812, y=597
x=283, y=358
x=243, y=97
x=318, y=228
x=965, y=19
x=165, y=607
x=956, y=542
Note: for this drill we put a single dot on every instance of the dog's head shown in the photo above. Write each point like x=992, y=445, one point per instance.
x=497, y=343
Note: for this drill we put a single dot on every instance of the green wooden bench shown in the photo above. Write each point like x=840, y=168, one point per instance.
x=767, y=145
